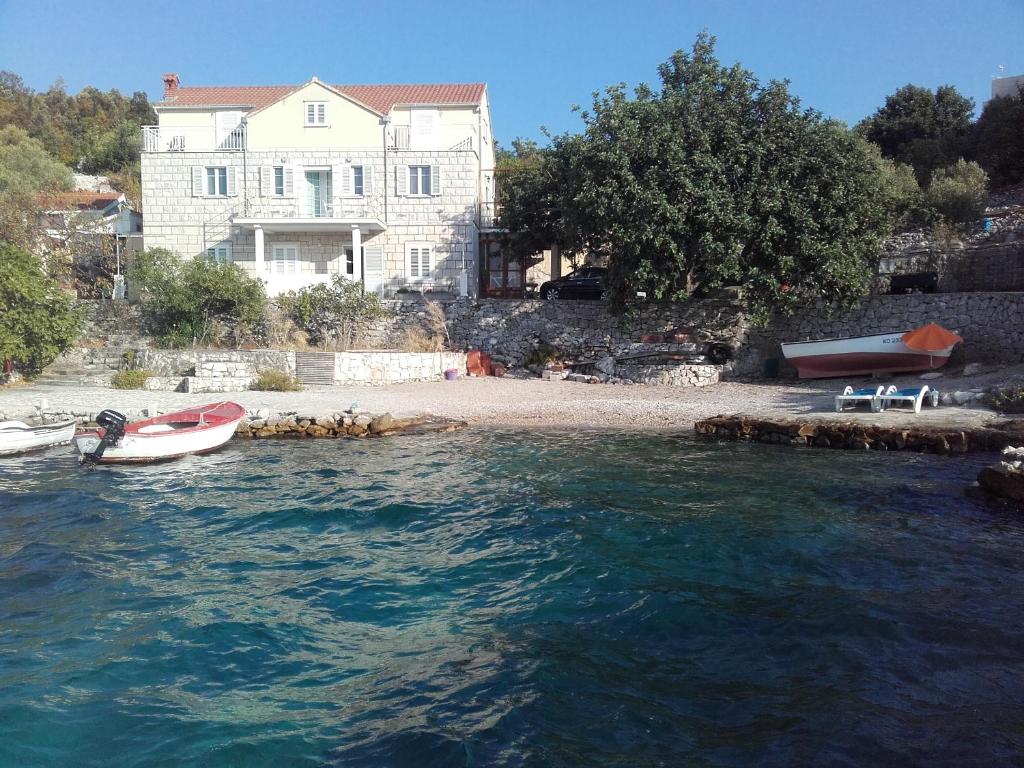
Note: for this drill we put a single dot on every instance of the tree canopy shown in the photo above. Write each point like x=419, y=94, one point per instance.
x=712, y=180
x=923, y=128
x=26, y=171
x=999, y=139
x=37, y=320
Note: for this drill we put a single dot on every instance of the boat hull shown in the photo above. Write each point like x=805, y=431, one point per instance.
x=861, y=356
x=139, y=446
x=18, y=437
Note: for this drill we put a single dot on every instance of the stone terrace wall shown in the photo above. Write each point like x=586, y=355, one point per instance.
x=510, y=329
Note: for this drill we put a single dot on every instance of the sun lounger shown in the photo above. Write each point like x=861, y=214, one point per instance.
x=856, y=397
x=912, y=396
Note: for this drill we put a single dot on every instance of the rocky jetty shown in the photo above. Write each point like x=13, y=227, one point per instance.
x=859, y=436
x=343, y=424
x=1006, y=477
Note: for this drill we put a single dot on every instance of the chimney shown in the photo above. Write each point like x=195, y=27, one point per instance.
x=171, y=84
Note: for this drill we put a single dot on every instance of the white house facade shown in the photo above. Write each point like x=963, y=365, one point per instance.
x=381, y=184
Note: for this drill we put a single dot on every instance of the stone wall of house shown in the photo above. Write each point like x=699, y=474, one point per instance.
x=188, y=225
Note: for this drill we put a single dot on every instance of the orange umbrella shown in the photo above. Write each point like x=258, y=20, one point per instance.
x=930, y=338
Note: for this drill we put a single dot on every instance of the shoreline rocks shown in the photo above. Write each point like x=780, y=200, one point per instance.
x=1005, y=478
x=856, y=436
x=341, y=424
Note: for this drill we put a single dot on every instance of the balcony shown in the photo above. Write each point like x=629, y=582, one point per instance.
x=197, y=138
x=490, y=216
x=460, y=137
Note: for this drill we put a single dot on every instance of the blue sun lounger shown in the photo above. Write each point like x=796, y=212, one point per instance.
x=915, y=397
x=856, y=397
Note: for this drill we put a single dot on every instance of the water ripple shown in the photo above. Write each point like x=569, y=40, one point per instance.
x=508, y=599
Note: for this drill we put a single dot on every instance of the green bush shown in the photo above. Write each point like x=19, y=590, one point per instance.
x=276, y=381
x=333, y=314
x=999, y=139
x=133, y=379
x=187, y=301
x=1009, y=400
x=37, y=319
x=959, y=192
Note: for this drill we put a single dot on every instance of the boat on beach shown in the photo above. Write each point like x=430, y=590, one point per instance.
x=864, y=355
x=19, y=437
x=201, y=429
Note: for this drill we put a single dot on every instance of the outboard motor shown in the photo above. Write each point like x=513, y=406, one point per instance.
x=113, y=424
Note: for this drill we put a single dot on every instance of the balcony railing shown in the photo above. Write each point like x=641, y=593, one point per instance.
x=191, y=138
x=460, y=137
x=490, y=215
x=398, y=137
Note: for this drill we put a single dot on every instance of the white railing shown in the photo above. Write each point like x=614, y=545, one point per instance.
x=191, y=138
x=282, y=282
x=490, y=215
x=460, y=137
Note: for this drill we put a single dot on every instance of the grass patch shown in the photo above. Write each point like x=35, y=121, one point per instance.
x=276, y=381
x=1010, y=400
x=130, y=379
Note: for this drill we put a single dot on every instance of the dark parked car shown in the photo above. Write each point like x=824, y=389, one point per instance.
x=583, y=283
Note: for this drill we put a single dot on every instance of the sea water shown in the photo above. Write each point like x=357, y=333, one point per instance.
x=507, y=599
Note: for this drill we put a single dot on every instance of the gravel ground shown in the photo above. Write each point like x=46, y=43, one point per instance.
x=519, y=403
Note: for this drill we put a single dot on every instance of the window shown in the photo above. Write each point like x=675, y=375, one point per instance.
x=316, y=113
x=419, y=261
x=419, y=179
x=217, y=181
x=284, y=257
x=357, y=180
x=279, y=180
x=220, y=253
x=350, y=262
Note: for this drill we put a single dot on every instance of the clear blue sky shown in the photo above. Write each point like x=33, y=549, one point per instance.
x=841, y=56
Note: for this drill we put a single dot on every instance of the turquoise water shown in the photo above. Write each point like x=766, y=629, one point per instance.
x=505, y=600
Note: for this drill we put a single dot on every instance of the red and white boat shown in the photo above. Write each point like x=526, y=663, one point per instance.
x=201, y=429
x=863, y=355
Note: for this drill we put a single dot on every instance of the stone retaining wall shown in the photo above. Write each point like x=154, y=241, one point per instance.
x=394, y=367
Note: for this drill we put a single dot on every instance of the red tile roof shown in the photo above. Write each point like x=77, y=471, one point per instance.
x=81, y=201
x=380, y=98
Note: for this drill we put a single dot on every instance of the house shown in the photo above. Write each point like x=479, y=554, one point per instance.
x=296, y=184
x=1007, y=86
x=95, y=230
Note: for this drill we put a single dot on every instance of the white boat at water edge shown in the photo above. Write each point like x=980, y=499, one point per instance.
x=201, y=429
x=861, y=356
x=19, y=437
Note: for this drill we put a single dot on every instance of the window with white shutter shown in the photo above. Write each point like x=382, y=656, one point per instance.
x=316, y=113
x=284, y=258
x=220, y=253
x=357, y=180
x=198, y=181
x=232, y=185
x=289, y=173
x=272, y=180
x=419, y=261
x=217, y=181
x=435, y=180
x=420, y=179
x=401, y=180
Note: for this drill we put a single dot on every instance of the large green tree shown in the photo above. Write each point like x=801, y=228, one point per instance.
x=27, y=172
x=923, y=128
x=713, y=180
x=37, y=319
x=998, y=139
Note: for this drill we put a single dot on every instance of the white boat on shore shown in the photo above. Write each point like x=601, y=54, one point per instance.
x=861, y=356
x=19, y=437
x=201, y=429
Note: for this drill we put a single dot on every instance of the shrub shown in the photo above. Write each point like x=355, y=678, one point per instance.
x=37, y=320
x=959, y=192
x=133, y=379
x=335, y=314
x=190, y=301
x=1010, y=400
x=415, y=339
x=541, y=355
x=999, y=139
x=276, y=381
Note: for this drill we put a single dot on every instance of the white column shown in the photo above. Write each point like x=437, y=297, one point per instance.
x=357, y=255
x=260, y=254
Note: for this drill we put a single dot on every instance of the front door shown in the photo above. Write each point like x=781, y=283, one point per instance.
x=318, y=193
